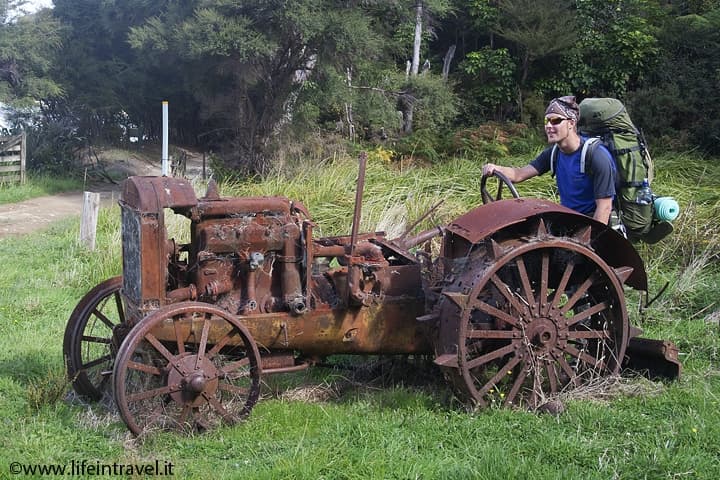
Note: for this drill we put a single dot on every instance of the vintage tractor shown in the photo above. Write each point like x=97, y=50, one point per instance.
x=525, y=299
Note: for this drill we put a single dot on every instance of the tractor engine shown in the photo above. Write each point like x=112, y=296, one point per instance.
x=245, y=254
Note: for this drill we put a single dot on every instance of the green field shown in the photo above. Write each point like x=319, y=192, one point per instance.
x=384, y=419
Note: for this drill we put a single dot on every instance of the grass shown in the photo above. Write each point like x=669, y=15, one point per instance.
x=332, y=424
x=37, y=186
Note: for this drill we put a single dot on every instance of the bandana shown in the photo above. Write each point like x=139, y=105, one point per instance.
x=564, y=106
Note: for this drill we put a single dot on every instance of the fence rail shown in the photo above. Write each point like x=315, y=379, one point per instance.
x=12, y=159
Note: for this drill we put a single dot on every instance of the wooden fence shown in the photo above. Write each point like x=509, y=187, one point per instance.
x=12, y=159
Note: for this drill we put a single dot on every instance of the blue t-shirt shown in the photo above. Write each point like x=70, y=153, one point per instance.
x=577, y=190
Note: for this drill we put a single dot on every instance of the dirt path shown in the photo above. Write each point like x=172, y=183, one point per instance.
x=25, y=217
x=28, y=216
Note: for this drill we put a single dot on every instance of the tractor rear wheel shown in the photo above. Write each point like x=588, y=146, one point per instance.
x=206, y=375
x=90, y=341
x=528, y=318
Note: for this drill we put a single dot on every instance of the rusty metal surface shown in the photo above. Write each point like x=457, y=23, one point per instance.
x=91, y=338
x=389, y=328
x=485, y=220
x=224, y=207
x=152, y=194
x=657, y=358
x=193, y=386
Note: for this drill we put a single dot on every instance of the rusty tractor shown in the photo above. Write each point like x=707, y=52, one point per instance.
x=524, y=300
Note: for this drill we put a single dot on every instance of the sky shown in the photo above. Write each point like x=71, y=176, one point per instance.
x=35, y=5
x=41, y=3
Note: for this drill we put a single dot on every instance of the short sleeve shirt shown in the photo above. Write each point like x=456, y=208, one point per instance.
x=578, y=190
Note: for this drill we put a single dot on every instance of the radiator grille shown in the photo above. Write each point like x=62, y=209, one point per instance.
x=132, y=256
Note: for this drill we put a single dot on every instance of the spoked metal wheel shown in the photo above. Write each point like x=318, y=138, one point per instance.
x=189, y=366
x=89, y=345
x=531, y=318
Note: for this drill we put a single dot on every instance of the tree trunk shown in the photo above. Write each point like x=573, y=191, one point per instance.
x=418, y=38
x=407, y=108
x=415, y=65
x=446, y=62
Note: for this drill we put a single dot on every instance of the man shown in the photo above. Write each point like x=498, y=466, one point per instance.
x=590, y=193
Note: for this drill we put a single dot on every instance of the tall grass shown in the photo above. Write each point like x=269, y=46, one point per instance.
x=395, y=429
x=37, y=186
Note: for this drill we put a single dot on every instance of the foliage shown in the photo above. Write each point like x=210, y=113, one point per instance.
x=27, y=45
x=243, y=79
x=52, y=147
x=433, y=100
x=421, y=145
x=490, y=82
x=618, y=44
x=538, y=29
x=37, y=185
x=490, y=141
x=681, y=99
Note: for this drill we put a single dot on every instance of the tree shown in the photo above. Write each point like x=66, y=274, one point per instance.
x=107, y=82
x=247, y=62
x=490, y=82
x=538, y=29
x=617, y=45
x=27, y=47
x=678, y=99
x=422, y=9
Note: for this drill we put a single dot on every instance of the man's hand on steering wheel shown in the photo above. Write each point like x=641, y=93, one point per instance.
x=493, y=170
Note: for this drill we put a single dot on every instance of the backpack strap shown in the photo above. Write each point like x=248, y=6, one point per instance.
x=623, y=151
x=588, y=147
x=553, y=160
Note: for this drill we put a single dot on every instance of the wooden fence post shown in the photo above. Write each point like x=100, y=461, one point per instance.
x=23, y=151
x=88, y=221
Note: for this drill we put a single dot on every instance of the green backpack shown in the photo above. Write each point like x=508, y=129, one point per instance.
x=606, y=121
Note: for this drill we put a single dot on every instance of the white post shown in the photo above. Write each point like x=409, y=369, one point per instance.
x=88, y=221
x=165, y=138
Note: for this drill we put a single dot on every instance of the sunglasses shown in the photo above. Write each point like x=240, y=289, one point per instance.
x=555, y=121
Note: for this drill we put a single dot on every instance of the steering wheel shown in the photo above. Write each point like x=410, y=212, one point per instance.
x=502, y=180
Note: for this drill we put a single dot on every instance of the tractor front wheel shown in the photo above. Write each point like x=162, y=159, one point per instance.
x=205, y=371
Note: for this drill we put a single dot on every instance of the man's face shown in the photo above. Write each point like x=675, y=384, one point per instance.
x=557, y=127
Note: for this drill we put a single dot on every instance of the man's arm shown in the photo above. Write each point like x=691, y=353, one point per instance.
x=514, y=174
x=603, y=207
